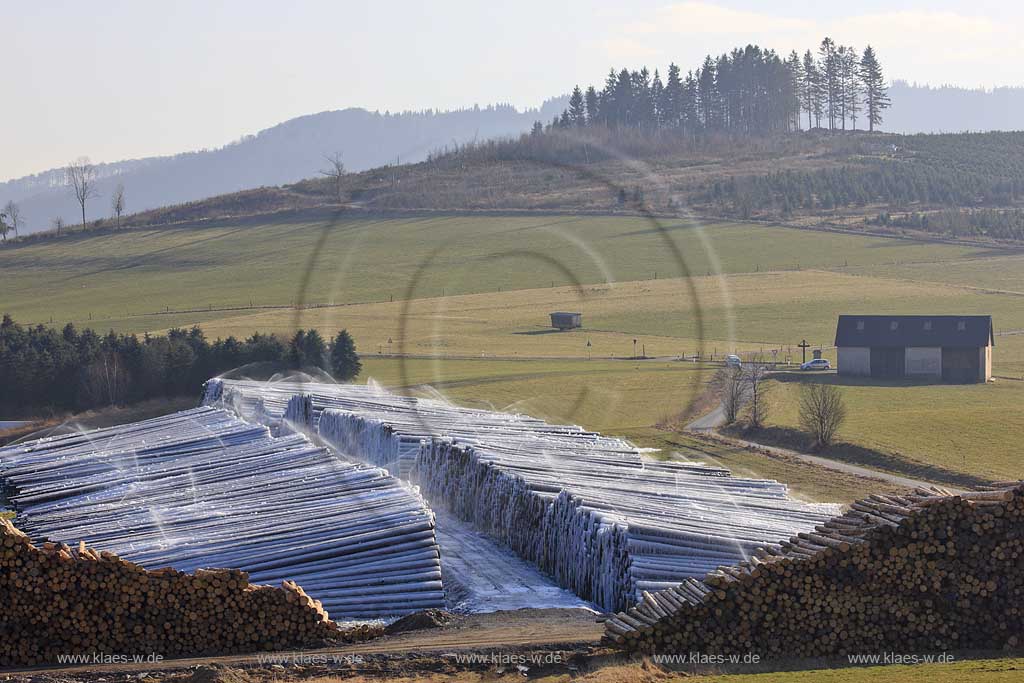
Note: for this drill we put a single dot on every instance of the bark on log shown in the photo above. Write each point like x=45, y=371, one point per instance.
x=946, y=574
x=83, y=602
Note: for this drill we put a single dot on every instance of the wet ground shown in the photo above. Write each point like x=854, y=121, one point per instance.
x=482, y=576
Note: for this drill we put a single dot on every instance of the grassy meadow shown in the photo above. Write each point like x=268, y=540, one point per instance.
x=1001, y=271
x=973, y=429
x=618, y=397
x=464, y=302
x=668, y=317
x=119, y=278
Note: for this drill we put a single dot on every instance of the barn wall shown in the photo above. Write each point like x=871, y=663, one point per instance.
x=853, y=360
x=986, y=363
x=923, y=361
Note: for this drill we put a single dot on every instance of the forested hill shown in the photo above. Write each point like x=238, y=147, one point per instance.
x=962, y=185
x=749, y=92
x=285, y=153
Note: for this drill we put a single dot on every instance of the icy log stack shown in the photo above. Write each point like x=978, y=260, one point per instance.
x=266, y=408
x=60, y=600
x=587, y=509
x=604, y=525
x=201, y=488
x=927, y=571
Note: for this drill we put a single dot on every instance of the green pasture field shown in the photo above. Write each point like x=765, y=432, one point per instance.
x=112, y=280
x=487, y=341
x=743, y=313
x=974, y=429
x=613, y=396
x=998, y=271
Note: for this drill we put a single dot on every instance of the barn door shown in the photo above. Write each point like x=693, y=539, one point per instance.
x=887, y=361
x=960, y=365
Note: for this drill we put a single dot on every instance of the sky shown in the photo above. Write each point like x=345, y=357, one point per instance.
x=115, y=79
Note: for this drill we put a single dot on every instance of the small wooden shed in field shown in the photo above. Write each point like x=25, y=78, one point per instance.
x=566, y=321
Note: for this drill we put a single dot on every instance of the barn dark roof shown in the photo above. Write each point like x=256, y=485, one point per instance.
x=914, y=330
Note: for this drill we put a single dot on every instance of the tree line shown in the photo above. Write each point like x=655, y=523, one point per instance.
x=1000, y=224
x=749, y=90
x=47, y=370
x=80, y=176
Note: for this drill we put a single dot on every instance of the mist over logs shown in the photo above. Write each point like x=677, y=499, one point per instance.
x=588, y=510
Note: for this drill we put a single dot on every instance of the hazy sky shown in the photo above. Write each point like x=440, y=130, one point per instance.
x=115, y=80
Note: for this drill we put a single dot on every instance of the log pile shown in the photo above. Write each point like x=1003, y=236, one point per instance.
x=61, y=600
x=587, y=509
x=922, y=572
x=601, y=524
x=202, y=488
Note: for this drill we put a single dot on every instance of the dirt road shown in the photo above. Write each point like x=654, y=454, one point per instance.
x=716, y=418
x=467, y=642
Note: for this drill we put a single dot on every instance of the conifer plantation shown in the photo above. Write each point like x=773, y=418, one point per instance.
x=43, y=369
x=749, y=90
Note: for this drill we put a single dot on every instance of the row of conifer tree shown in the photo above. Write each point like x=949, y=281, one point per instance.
x=43, y=369
x=748, y=90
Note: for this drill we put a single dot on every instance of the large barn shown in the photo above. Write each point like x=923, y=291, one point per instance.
x=951, y=348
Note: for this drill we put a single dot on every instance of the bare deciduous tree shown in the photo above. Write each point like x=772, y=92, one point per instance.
x=13, y=212
x=728, y=384
x=4, y=227
x=58, y=224
x=822, y=412
x=756, y=387
x=335, y=171
x=81, y=176
x=117, y=203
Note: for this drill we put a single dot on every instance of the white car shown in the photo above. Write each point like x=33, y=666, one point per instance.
x=733, y=361
x=817, y=364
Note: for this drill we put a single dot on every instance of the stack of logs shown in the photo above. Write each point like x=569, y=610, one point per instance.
x=61, y=601
x=924, y=571
x=589, y=510
x=201, y=488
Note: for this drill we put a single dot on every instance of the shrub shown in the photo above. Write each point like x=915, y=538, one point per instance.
x=822, y=412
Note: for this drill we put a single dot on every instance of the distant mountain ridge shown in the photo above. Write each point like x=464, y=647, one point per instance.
x=285, y=153
x=950, y=109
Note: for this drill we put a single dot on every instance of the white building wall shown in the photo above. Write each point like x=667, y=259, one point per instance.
x=923, y=361
x=985, y=366
x=853, y=360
